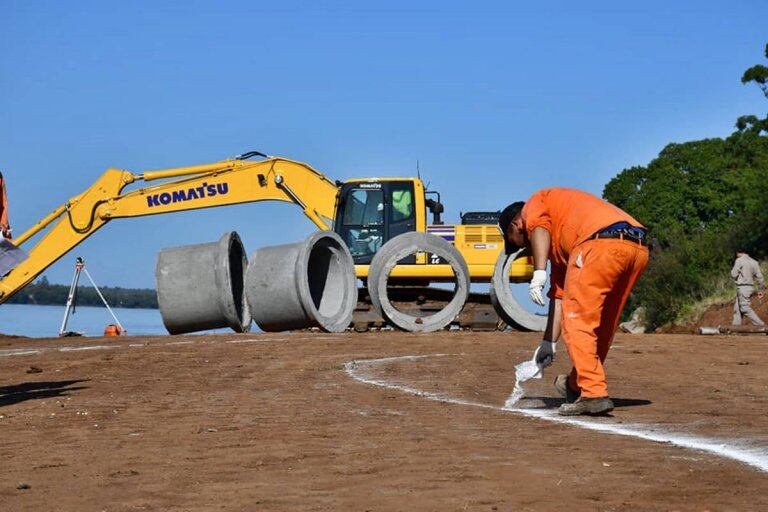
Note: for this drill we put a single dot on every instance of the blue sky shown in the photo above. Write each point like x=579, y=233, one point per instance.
x=495, y=99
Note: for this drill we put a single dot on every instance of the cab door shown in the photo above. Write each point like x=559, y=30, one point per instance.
x=360, y=219
x=401, y=208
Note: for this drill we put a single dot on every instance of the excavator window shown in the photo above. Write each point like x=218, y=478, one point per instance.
x=363, y=222
x=371, y=213
x=402, y=214
x=402, y=205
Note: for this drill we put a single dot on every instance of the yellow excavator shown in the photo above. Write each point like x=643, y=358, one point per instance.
x=365, y=212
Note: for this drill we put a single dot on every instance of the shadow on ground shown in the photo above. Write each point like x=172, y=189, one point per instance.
x=553, y=403
x=10, y=395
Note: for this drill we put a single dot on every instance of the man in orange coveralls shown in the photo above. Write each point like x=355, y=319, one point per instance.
x=5, y=228
x=597, y=253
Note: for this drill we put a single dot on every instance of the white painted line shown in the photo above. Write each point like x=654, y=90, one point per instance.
x=22, y=352
x=18, y=352
x=736, y=450
x=261, y=340
x=88, y=347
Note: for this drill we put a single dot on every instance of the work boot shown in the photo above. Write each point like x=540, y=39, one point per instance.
x=584, y=405
x=564, y=389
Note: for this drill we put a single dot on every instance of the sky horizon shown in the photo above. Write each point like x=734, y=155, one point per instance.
x=495, y=100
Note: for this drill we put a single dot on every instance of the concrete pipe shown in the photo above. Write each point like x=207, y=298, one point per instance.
x=310, y=283
x=505, y=304
x=200, y=287
x=386, y=259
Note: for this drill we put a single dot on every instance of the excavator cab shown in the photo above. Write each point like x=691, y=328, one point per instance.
x=371, y=212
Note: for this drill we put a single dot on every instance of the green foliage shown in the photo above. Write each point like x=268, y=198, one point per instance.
x=752, y=124
x=701, y=201
x=758, y=74
x=694, y=187
x=44, y=293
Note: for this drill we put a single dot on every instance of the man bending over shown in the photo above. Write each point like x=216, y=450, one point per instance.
x=597, y=252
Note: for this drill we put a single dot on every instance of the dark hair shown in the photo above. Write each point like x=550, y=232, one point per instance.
x=508, y=214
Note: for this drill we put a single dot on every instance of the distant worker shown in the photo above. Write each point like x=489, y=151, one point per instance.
x=5, y=227
x=597, y=253
x=746, y=272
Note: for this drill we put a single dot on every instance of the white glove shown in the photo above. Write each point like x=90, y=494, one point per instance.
x=537, y=285
x=545, y=354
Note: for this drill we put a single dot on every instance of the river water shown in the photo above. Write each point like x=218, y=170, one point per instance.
x=45, y=321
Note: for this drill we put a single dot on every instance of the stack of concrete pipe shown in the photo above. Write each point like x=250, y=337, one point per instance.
x=404, y=245
x=308, y=284
x=293, y=286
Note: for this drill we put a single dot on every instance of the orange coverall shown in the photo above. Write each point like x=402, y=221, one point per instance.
x=593, y=277
x=5, y=229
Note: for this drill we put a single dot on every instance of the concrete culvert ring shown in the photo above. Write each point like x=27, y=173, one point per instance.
x=230, y=279
x=386, y=259
x=326, y=279
x=504, y=302
x=306, y=284
x=200, y=287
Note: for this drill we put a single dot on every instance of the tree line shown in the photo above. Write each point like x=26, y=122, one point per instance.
x=43, y=293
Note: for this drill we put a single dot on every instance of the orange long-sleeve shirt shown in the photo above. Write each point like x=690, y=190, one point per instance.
x=571, y=217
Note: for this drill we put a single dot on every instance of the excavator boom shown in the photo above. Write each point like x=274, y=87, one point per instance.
x=240, y=180
x=229, y=182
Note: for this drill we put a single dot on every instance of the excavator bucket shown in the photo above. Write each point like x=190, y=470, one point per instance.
x=10, y=256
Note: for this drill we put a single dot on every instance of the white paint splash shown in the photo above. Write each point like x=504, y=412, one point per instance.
x=524, y=371
x=754, y=456
x=515, y=396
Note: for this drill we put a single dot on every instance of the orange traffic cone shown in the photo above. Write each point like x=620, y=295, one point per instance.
x=113, y=330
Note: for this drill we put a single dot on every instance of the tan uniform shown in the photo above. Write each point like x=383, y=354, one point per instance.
x=746, y=273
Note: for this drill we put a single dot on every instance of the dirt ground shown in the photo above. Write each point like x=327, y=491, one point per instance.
x=288, y=422
x=720, y=315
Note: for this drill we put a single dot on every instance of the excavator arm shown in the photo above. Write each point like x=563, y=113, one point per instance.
x=228, y=182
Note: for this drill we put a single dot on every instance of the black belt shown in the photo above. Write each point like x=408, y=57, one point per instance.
x=621, y=235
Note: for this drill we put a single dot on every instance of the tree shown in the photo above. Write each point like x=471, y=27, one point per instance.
x=693, y=187
x=759, y=75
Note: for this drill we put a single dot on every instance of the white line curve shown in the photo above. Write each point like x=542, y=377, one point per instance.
x=754, y=456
